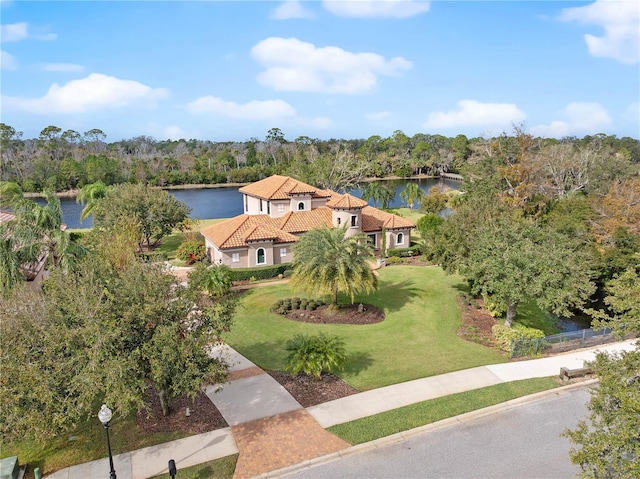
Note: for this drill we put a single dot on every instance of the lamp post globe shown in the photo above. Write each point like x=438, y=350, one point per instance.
x=105, y=416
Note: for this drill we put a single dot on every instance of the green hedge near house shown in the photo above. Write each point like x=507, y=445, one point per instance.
x=415, y=250
x=260, y=272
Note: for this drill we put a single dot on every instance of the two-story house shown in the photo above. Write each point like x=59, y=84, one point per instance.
x=278, y=209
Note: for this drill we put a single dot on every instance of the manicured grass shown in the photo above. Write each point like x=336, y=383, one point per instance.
x=222, y=468
x=417, y=338
x=89, y=444
x=427, y=412
x=172, y=242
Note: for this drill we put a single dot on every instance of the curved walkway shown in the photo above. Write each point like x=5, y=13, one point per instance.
x=271, y=431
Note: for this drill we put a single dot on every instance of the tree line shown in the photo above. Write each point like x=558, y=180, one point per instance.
x=60, y=160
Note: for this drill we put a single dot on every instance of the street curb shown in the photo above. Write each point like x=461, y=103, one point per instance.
x=444, y=423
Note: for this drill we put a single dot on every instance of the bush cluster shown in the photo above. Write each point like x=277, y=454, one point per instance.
x=313, y=355
x=282, y=306
x=153, y=256
x=191, y=251
x=527, y=340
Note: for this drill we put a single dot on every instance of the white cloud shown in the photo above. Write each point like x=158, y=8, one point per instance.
x=253, y=110
x=62, y=67
x=621, y=23
x=293, y=65
x=582, y=119
x=7, y=61
x=321, y=123
x=474, y=113
x=95, y=92
x=14, y=32
x=173, y=133
x=291, y=9
x=378, y=115
x=376, y=8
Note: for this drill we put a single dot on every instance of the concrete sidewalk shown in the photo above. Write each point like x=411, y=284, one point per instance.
x=261, y=399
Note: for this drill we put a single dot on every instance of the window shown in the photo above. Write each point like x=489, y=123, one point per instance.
x=280, y=208
x=301, y=206
x=268, y=207
x=260, y=204
x=400, y=238
x=246, y=203
x=283, y=252
x=261, y=257
x=339, y=221
x=235, y=257
x=372, y=240
x=354, y=220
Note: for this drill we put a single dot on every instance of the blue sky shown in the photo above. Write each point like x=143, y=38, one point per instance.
x=231, y=70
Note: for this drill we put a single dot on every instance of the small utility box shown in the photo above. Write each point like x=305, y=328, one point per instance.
x=9, y=468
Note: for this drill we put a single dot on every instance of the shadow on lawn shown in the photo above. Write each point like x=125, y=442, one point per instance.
x=392, y=296
x=358, y=362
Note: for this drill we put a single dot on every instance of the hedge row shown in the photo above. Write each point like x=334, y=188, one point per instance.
x=260, y=272
x=415, y=250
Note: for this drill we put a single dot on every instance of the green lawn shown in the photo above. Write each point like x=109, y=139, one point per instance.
x=222, y=468
x=427, y=412
x=417, y=339
x=86, y=443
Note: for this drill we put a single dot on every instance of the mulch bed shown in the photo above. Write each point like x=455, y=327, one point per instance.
x=309, y=392
x=204, y=416
x=476, y=322
x=345, y=314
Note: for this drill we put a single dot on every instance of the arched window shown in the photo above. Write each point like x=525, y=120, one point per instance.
x=261, y=257
x=400, y=238
x=301, y=206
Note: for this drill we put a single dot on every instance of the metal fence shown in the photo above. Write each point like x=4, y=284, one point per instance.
x=558, y=343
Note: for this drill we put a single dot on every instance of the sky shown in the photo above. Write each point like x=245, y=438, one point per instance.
x=233, y=70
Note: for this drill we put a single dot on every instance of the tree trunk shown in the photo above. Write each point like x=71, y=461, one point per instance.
x=334, y=298
x=512, y=307
x=162, y=395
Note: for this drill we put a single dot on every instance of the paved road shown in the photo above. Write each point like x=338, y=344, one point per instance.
x=521, y=442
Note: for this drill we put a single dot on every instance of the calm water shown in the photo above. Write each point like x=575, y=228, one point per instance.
x=208, y=203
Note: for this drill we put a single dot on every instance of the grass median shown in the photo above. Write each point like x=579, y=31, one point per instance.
x=427, y=412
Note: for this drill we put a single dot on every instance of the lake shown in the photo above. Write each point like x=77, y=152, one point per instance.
x=226, y=202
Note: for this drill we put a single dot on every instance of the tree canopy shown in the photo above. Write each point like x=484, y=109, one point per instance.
x=156, y=211
x=102, y=334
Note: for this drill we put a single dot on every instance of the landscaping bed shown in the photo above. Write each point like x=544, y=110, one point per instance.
x=344, y=314
x=309, y=392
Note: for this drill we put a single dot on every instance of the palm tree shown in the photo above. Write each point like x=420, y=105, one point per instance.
x=328, y=262
x=218, y=280
x=35, y=232
x=412, y=194
x=378, y=192
x=89, y=196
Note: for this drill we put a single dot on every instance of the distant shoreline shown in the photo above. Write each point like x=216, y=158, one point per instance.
x=194, y=186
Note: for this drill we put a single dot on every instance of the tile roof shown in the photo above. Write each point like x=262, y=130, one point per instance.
x=278, y=187
x=345, y=201
x=236, y=232
x=374, y=219
x=303, y=221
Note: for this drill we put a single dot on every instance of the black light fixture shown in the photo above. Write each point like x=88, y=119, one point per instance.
x=172, y=468
x=105, y=417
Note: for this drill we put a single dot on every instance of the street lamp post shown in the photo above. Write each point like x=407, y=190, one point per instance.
x=105, y=416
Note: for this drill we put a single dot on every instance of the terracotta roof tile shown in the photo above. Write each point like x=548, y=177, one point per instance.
x=279, y=187
x=235, y=232
x=374, y=219
x=346, y=201
x=303, y=221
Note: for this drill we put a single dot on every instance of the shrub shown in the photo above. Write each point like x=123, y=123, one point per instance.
x=303, y=303
x=527, y=340
x=415, y=250
x=394, y=260
x=313, y=355
x=311, y=306
x=260, y=272
x=295, y=303
x=191, y=251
